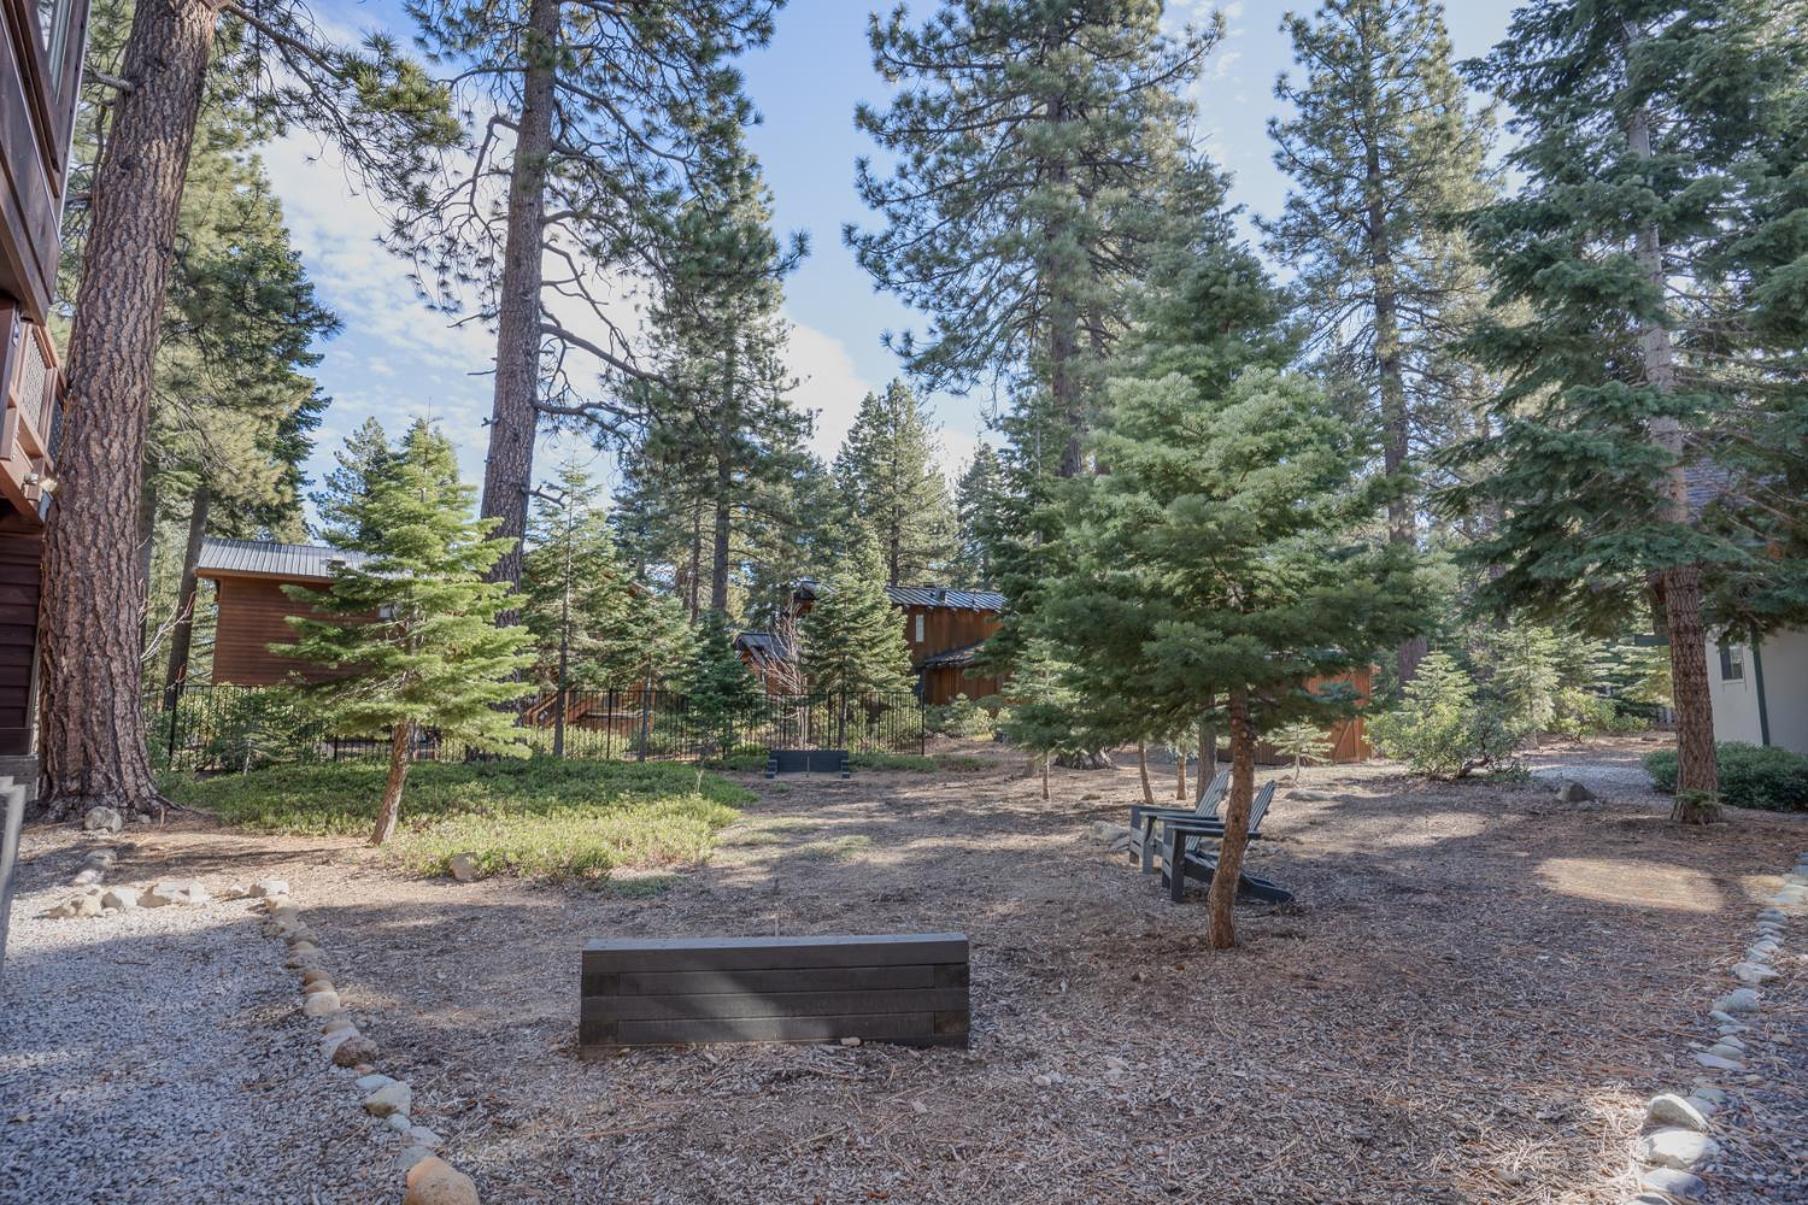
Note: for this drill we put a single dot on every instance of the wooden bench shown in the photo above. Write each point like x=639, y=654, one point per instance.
x=807, y=761
x=909, y=989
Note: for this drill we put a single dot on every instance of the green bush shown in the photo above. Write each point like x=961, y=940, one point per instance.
x=961, y=717
x=1772, y=779
x=1440, y=729
x=538, y=817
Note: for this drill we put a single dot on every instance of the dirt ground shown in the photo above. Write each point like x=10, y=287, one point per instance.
x=1475, y=992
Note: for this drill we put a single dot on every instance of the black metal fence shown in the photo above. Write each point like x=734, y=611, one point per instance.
x=211, y=728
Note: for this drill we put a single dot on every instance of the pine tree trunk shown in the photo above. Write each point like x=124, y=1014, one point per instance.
x=147, y=532
x=1180, y=773
x=1221, y=900
x=93, y=733
x=1046, y=759
x=1142, y=772
x=718, y=573
x=514, y=419
x=401, y=752
x=183, y=634
x=1697, y=773
x=695, y=586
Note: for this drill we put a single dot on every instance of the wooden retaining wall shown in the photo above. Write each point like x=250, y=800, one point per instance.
x=909, y=989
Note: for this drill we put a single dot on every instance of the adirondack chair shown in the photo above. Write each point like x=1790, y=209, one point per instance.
x=1144, y=818
x=1188, y=853
x=1209, y=826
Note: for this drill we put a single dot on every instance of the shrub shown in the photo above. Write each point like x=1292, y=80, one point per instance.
x=1578, y=714
x=962, y=717
x=1772, y=779
x=1440, y=729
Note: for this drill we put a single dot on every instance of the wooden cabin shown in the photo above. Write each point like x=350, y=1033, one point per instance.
x=252, y=608
x=40, y=74
x=943, y=628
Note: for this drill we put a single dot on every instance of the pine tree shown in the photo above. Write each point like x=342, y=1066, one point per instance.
x=1038, y=157
x=1647, y=141
x=413, y=628
x=1045, y=709
x=603, y=117
x=721, y=693
x=853, y=640
x=387, y=119
x=982, y=511
x=357, y=467
x=890, y=481
x=1384, y=154
x=1300, y=742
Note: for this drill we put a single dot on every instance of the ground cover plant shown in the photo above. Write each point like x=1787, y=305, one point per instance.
x=1773, y=779
x=538, y=818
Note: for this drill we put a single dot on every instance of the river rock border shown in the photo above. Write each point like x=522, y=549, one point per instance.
x=1678, y=1141
x=429, y=1179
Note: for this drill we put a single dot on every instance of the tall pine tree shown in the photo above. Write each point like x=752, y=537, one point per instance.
x=1647, y=133
x=890, y=481
x=1384, y=154
x=1037, y=157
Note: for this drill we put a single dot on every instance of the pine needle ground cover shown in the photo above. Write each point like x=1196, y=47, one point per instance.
x=537, y=818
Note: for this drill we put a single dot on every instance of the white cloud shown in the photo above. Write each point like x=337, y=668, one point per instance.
x=828, y=383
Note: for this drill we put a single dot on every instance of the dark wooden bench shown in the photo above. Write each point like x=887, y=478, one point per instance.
x=807, y=761
x=909, y=989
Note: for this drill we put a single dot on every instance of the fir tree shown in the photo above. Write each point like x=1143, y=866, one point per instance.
x=1647, y=144
x=1299, y=742
x=1219, y=564
x=892, y=486
x=853, y=639
x=983, y=512
x=432, y=656
x=720, y=692
x=1044, y=715
x=339, y=503
x=1384, y=154
x=1038, y=160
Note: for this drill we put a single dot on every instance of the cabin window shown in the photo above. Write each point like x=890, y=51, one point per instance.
x=53, y=28
x=919, y=627
x=1732, y=663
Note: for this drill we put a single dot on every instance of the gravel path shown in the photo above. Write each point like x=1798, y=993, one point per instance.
x=1602, y=767
x=156, y=1056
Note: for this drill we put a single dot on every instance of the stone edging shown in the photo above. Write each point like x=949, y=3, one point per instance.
x=1677, y=1139
x=429, y=1178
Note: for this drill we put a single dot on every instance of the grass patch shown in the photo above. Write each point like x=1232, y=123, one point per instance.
x=539, y=818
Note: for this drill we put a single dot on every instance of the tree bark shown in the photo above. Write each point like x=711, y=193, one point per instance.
x=147, y=532
x=514, y=417
x=94, y=595
x=401, y=751
x=1697, y=772
x=1180, y=772
x=1221, y=900
x=1142, y=772
x=1208, y=760
x=695, y=585
x=182, y=636
x=1046, y=759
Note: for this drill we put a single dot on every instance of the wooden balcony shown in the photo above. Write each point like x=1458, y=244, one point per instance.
x=34, y=407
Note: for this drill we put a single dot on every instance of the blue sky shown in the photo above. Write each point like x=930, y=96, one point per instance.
x=397, y=360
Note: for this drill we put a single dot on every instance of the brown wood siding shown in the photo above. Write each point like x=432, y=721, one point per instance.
x=942, y=685
x=1349, y=738
x=253, y=614
x=945, y=628
x=19, y=586
x=37, y=99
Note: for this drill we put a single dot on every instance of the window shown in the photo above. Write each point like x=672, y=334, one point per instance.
x=919, y=627
x=1732, y=662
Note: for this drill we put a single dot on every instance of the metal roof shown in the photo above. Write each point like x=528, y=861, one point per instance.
x=955, y=658
x=925, y=596
x=266, y=558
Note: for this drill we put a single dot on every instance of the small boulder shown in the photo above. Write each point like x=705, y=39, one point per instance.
x=1671, y=1182
x=1738, y=1001
x=314, y=975
x=398, y=1122
x=1670, y=1109
x=317, y=986
x=1677, y=1147
x=123, y=898
x=265, y=889
x=86, y=904
x=353, y=1050
x=1574, y=792
x=412, y=1155
x=1715, y=1062
x=189, y=892
x=373, y=1081
x=320, y=1004
x=1753, y=973
x=422, y=1136
x=433, y=1181
x=463, y=867
x=102, y=820
x=233, y=891
x=336, y=1024
x=393, y=1097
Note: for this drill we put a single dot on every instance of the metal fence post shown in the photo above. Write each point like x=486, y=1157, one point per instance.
x=175, y=718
